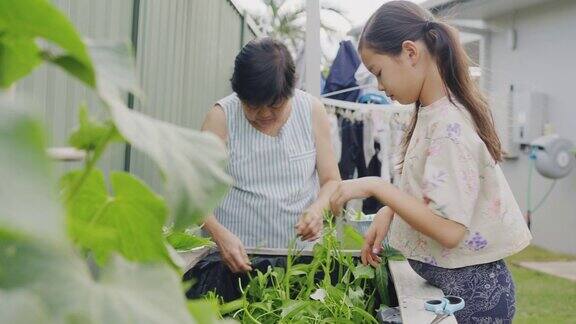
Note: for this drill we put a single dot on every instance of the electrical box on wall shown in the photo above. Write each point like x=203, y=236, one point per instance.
x=529, y=116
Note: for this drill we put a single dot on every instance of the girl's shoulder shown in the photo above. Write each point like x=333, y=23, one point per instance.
x=443, y=112
x=451, y=121
x=454, y=126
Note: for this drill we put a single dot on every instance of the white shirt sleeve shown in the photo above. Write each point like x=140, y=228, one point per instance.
x=451, y=176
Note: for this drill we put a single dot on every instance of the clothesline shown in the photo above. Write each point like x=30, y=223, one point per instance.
x=333, y=93
x=360, y=106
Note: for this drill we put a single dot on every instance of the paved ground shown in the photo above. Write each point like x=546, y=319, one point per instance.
x=563, y=269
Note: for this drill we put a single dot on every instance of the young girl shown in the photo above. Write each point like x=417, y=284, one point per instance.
x=454, y=216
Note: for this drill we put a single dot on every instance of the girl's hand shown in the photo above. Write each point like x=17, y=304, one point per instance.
x=352, y=189
x=310, y=224
x=374, y=237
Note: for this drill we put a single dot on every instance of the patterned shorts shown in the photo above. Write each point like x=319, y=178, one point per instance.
x=487, y=289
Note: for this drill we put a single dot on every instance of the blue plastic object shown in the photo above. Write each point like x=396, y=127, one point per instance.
x=435, y=306
x=445, y=306
x=373, y=98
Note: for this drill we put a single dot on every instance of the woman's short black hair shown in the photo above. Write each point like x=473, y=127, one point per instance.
x=264, y=73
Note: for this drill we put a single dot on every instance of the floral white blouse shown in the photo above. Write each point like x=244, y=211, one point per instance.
x=450, y=169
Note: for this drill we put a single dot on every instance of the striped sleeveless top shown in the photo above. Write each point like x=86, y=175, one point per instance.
x=275, y=178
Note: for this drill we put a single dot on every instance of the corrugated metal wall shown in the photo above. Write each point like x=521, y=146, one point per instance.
x=185, y=53
x=186, y=50
x=56, y=96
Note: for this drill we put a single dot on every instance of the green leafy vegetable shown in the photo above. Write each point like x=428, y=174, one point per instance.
x=352, y=239
x=333, y=287
x=182, y=241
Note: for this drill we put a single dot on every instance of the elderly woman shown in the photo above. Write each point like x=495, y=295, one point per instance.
x=281, y=157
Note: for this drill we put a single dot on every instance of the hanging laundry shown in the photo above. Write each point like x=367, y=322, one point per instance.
x=352, y=160
x=335, y=135
x=368, y=138
x=372, y=205
x=377, y=140
x=367, y=143
x=352, y=156
x=342, y=71
x=381, y=134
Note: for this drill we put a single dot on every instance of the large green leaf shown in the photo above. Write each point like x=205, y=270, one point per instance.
x=18, y=57
x=27, y=20
x=72, y=65
x=123, y=292
x=36, y=259
x=192, y=162
x=115, y=69
x=22, y=307
x=90, y=133
x=27, y=203
x=183, y=241
x=83, y=225
x=130, y=221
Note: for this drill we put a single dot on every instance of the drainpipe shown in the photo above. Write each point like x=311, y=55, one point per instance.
x=242, y=28
x=313, y=50
x=130, y=103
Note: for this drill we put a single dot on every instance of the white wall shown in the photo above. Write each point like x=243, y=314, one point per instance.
x=545, y=61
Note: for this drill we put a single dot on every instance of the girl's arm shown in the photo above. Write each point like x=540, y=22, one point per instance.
x=310, y=224
x=414, y=212
x=375, y=235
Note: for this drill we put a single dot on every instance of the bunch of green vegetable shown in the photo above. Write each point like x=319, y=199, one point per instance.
x=334, y=288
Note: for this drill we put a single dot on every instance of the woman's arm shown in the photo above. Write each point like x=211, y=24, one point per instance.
x=215, y=122
x=417, y=214
x=231, y=248
x=310, y=224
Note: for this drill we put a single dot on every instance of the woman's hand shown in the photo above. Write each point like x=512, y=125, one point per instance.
x=352, y=189
x=375, y=235
x=232, y=251
x=310, y=224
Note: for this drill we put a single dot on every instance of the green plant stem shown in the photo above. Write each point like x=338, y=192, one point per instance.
x=370, y=304
x=233, y=306
x=288, y=271
x=250, y=315
x=90, y=164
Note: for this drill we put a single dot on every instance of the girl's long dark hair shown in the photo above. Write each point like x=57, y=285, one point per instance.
x=399, y=21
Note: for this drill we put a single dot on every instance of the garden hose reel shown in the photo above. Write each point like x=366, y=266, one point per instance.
x=553, y=155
